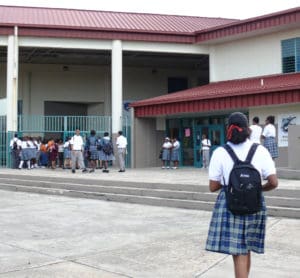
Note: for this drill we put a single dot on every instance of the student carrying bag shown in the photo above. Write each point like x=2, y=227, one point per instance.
x=244, y=189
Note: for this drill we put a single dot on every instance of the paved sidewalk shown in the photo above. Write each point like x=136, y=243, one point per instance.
x=53, y=236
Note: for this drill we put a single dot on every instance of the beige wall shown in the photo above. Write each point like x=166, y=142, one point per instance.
x=294, y=147
x=147, y=143
x=260, y=55
x=90, y=85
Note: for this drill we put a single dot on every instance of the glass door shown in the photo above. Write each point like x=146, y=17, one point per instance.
x=215, y=134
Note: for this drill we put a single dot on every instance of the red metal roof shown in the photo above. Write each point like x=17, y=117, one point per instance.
x=70, y=23
x=104, y=20
x=288, y=18
x=263, y=90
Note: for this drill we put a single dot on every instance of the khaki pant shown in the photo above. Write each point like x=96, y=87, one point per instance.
x=77, y=156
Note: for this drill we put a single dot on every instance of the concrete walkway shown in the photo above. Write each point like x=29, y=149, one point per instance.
x=52, y=236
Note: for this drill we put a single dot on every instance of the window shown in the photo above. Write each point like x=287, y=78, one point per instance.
x=290, y=52
x=176, y=84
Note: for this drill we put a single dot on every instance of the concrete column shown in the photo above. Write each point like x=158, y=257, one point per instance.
x=12, y=81
x=116, y=86
x=212, y=58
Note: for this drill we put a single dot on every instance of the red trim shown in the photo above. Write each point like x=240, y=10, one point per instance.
x=282, y=18
x=6, y=30
x=67, y=33
x=222, y=103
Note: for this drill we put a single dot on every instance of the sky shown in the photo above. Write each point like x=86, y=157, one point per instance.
x=237, y=9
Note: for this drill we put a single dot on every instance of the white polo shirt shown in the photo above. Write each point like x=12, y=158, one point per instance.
x=121, y=142
x=255, y=134
x=77, y=143
x=269, y=131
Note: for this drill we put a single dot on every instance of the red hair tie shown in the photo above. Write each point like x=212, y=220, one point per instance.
x=230, y=130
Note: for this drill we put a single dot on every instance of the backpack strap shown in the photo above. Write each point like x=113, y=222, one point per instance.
x=235, y=158
x=251, y=152
x=231, y=153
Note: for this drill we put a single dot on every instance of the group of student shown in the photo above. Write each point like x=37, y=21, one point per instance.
x=170, y=153
x=75, y=153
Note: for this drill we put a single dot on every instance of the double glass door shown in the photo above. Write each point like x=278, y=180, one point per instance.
x=215, y=133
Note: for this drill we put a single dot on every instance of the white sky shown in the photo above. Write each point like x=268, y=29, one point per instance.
x=239, y=9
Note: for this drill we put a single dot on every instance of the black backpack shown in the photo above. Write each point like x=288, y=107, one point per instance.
x=107, y=147
x=244, y=190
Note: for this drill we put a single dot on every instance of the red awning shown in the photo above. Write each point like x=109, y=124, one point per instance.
x=225, y=95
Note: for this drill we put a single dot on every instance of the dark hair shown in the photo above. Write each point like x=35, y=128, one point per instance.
x=237, y=131
x=93, y=132
x=271, y=119
x=120, y=132
x=256, y=120
x=106, y=133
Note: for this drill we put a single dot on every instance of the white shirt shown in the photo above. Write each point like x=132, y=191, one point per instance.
x=269, y=131
x=167, y=145
x=205, y=144
x=255, y=134
x=176, y=145
x=77, y=143
x=221, y=163
x=121, y=142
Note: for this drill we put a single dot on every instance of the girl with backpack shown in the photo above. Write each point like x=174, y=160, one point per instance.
x=106, y=151
x=235, y=234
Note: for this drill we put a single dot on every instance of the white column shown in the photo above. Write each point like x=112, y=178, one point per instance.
x=116, y=86
x=212, y=62
x=12, y=81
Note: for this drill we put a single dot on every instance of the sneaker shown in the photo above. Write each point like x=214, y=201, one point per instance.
x=73, y=171
x=84, y=170
x=168, y=167
x=163, y=167
x=105, y=171
x=91, y=171
x=120, y=171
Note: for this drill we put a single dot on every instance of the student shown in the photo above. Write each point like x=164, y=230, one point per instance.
x=121, y=143
x=77, y=146
x=14, y=145
x=91, y=144
x=238, y=235
x=166, y=155
x=255, y=131
x=205, y=148
x=175, y=153
x=106, y=152
x=269, y=135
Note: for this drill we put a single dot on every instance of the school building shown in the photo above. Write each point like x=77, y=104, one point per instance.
x=151, y=75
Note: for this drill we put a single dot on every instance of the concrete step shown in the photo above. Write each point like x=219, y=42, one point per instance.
x=280, y=205
x=282, y=198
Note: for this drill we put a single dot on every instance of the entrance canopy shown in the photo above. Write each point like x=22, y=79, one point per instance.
x=225, y=95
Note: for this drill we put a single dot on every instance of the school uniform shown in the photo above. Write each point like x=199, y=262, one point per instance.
x=237, y=234
x=269, y=133
x=166, y=155
x=103, y=156
x=91, y=144
x=175, y=151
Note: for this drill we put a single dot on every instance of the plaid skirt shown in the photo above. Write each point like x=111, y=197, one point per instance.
x=236, y=234
x=271, y=146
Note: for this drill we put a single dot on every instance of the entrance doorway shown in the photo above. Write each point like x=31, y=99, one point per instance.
x=215, y=133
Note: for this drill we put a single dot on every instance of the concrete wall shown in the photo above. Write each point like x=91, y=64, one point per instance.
x=294, y=147
x=249, y=57
x=90, y=85
x=148, y=142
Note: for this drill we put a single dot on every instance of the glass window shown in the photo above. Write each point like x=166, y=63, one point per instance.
x=290, y=52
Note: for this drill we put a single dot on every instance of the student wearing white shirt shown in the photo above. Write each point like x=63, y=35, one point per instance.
x=206, y=144
x=121, y=143
x=269, y=135
x=77, y=147
x=255, y=131
x=238, y=235
x=14, y=145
